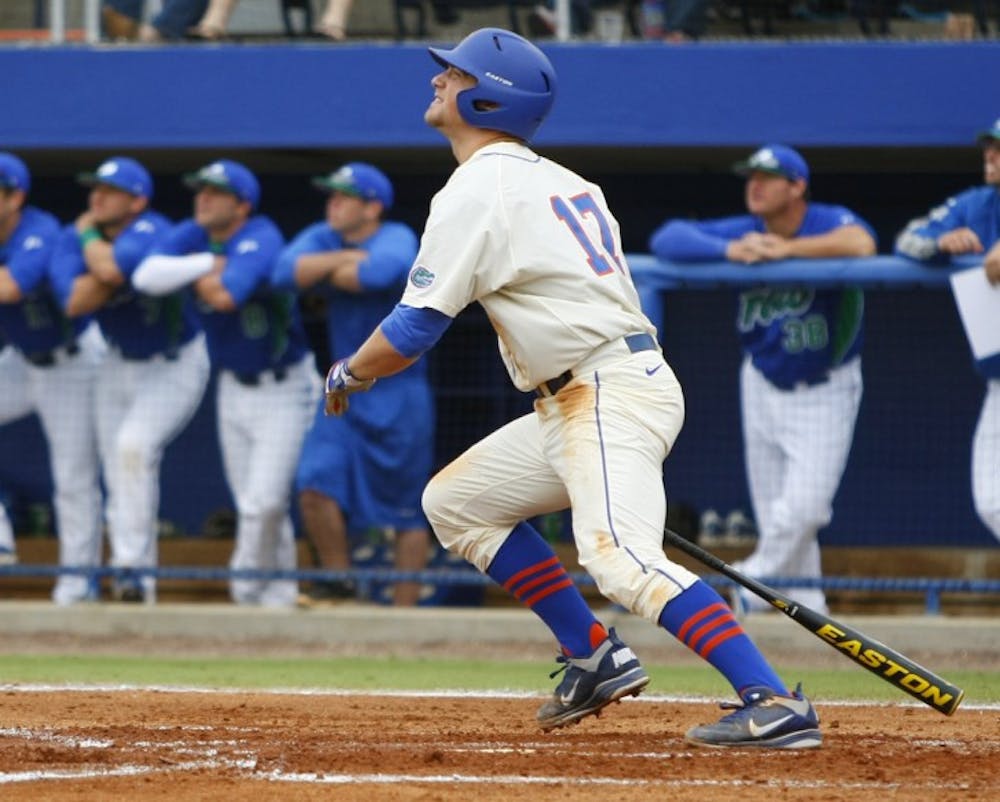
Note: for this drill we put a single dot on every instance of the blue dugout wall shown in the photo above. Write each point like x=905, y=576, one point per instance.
x=631, y=95
x=887, y=127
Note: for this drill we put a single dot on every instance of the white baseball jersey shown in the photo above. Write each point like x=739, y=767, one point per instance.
x=555, y=286
x=536, y=245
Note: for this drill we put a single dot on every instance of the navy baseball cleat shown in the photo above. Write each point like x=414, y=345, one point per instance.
x=766, y=719
x=592, y=683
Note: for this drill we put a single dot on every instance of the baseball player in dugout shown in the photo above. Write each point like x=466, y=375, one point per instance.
x=368, y=468
x=800, y=383
x=969, y=223
x=154, y=375
x=50, y=368
x=267, y=383
x=538, y=248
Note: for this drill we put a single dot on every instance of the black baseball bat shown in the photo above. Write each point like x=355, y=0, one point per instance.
x=883, y=661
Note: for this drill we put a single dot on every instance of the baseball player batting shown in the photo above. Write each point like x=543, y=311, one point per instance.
x=536, y=245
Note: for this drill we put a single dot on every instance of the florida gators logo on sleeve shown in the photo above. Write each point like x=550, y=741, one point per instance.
x=421, y=277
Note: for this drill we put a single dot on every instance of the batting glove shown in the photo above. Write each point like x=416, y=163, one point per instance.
x=340, y=383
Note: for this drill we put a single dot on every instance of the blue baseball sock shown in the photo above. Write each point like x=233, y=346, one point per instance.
x=529, y=570
x=701, y=620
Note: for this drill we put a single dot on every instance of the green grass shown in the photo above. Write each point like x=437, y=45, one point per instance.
x=393, y=673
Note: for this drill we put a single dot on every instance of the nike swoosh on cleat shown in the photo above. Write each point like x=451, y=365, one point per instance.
x=760, y=732
x=651, y=371
x=567, y=698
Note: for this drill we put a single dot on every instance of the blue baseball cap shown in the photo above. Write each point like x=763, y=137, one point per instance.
x=121, y=173
x=990, y=135
x=229, y=176
x=358, y=179
x=14, y=173
x=776, y=160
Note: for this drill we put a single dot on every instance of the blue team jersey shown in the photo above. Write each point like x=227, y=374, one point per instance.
x=978, y=209
x=376, y=459
x=139, y=326
x=35, y=324
x=792, y=334
x=352, y=316
x=265, y=331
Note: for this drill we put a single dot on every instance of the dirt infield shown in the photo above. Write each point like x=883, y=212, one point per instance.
x=158, y=745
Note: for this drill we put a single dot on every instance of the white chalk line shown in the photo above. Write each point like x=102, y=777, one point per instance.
x=210, y=759
x=518, y=779
x=653, y=698
x=205, y=756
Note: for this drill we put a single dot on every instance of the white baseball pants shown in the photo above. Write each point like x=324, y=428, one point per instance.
x=62, y=394
x=6, y=530
x=796, y=446
x=142, y=405
x=598, y=447
x=261, y=429
x=986, y=459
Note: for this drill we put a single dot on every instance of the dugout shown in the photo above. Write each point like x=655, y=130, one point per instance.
x=887, y=127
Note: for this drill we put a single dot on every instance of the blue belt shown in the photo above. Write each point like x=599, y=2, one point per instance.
x=634, y=342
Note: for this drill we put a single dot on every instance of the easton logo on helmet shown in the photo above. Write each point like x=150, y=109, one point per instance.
x=499, y=79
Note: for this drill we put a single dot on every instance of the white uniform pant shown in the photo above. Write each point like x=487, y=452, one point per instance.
x=12, y=373
x=142, y=405
x=597, y=446
x=6, y=529
x=986, y=459
x=261, y=429
x=796, y=447
x=62, y=395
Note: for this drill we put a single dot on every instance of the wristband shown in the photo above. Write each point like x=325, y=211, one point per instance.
x=88, y=235
x=217, y=247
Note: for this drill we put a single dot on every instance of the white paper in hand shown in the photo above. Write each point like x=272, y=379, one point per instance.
x=978, y=304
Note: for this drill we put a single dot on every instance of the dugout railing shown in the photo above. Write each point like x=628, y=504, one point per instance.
x=369, y=581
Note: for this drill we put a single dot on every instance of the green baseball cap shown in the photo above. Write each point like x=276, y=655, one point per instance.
x=991, y=134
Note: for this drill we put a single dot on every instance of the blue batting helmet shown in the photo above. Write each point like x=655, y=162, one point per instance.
x=515, y=81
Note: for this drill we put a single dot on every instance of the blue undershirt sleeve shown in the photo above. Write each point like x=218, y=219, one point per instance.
x=684, y=241
x=412, y=330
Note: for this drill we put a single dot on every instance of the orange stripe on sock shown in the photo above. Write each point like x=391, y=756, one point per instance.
x=710, y=610
x=708, y=626
x=531, y=569
x=567, y=582
x=722, y=637
x=538, y=580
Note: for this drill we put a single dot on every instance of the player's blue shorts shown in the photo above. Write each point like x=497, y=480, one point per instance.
x=375, y=460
